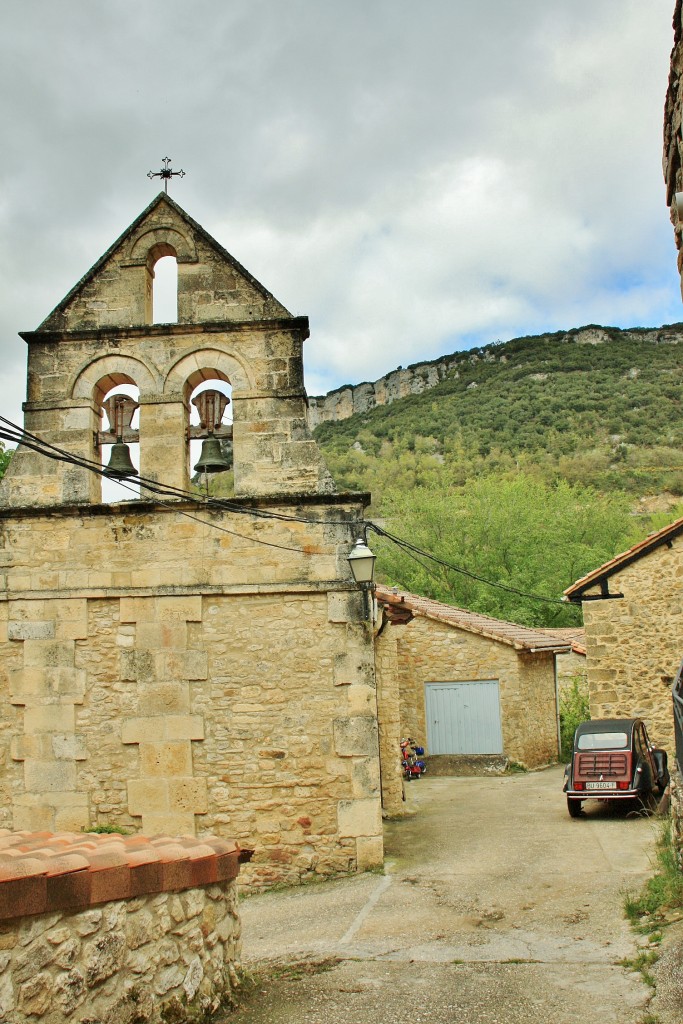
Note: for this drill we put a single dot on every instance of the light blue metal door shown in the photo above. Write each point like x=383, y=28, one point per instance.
x=463, y=718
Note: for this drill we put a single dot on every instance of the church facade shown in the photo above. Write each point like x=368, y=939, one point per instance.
x=171, y=664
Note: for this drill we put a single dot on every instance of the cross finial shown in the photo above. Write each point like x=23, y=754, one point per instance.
x=166, y=173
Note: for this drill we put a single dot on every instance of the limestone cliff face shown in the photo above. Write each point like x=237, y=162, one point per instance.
x=413, y=380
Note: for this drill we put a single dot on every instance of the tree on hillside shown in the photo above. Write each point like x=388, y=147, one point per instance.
x=535, y=537
x=5, y=456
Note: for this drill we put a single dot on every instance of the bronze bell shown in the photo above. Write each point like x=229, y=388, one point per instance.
x=120, y=463
x=212, y=459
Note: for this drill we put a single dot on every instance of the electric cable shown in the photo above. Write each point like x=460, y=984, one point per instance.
x=409, y=548
x=19, y=435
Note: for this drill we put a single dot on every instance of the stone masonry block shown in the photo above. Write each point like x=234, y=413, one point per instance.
x=165, y=759
x=160, y=635
x=31, y=816
x=69, y=747
x=369, y=852
x=361, y=700
x=49, y=776
x=39, y=747
x=359, y=818
x=181, y=665
x=180, y=609
x=147, y=796
x=169, y=823
x=188, y=795
x=164, y=699
x=59, y=718
x=46, y=682
x=341, y=607
x=365, y=777
x=30, y=630
x=163, y=727
x=137, y=665
x=184, y=727
x=356, y=736
x=48, y=654
x=71, y=618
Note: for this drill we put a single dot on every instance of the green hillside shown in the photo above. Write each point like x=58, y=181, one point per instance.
x=606, y=415
x=527, y=465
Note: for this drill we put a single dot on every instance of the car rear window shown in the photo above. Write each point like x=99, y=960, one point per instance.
x=602, y=741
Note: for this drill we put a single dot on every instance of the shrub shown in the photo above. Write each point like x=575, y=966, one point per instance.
x=574, y=709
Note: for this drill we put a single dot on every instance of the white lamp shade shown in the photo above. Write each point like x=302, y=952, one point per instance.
x=362, y=562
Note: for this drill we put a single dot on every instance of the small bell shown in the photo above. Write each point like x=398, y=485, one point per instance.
x=120, y=464
x=212, y=459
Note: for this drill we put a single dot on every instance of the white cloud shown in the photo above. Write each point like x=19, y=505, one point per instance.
x=415, y=179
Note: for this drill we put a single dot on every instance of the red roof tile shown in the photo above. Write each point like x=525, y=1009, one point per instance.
x=73, y=871
x=522, y=638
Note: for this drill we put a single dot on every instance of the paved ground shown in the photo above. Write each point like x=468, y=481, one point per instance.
x=495, y=908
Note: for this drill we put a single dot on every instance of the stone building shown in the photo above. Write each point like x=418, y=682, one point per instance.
x=633, y=615
x=468, y=683
x=170, y=664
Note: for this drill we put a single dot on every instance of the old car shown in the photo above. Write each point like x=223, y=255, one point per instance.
x=613, y=759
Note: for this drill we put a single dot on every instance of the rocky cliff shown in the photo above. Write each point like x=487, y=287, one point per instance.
x=413, y=380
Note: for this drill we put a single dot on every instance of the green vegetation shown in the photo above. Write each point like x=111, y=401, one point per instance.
x=642, y=962
x=574, y=709
x=663, y=892
x=522, y=467
x=5, y=456
x=109, y=830
x=521, y=532
x=606, y=415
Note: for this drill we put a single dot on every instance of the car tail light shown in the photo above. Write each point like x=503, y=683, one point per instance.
x=579, y=785
x=622, y=785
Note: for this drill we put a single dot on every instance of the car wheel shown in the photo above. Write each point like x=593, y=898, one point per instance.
x=574, y=807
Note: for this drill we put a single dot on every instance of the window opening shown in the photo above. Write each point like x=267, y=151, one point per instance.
x=165, y=291
x=114, y=490
x=213, y=439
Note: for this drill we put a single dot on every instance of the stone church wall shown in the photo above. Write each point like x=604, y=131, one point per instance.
x=164, y=676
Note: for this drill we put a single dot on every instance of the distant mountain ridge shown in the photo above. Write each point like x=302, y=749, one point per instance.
x=594, y=405
x=349, y=399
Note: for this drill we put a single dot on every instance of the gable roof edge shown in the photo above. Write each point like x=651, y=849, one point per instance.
x=209, y=239
x=644, y=547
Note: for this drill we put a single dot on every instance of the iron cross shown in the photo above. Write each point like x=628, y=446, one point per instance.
x=165, y=173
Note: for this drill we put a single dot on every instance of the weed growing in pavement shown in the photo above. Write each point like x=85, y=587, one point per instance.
x=662, y=892
x=642, y=963
x=650, y=1018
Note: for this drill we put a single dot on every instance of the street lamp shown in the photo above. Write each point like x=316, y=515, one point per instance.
x=362, y=562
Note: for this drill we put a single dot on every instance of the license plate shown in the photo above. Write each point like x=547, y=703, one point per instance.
x=600, y=785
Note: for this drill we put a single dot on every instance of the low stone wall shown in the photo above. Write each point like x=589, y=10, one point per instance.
x=676, y=790
x=148, y=958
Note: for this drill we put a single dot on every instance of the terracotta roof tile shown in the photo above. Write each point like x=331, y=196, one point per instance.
x=522, y=638
x=40, y=871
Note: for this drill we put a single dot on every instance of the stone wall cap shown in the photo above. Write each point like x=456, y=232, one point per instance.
x=185, y=862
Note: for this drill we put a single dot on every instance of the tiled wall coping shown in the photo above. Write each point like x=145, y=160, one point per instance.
x=41, y=872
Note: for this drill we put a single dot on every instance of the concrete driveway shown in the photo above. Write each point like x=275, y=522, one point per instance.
x=495, y=908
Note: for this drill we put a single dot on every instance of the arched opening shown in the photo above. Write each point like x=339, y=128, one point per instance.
x=126, y=427
x=218, y=483
x=165, y=290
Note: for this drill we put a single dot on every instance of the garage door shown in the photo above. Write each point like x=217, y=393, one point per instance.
x=463, y=718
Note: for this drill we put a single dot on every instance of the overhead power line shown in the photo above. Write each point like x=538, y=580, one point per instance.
x=17, y=435
x=414, y=551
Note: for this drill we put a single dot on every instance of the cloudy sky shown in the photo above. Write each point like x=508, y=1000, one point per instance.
x=417, y=178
